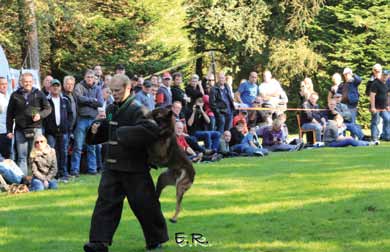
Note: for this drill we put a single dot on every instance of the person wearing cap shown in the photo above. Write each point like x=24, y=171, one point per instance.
x=350, y=92
x=58, y=127
x=164, y=94
x=248, y=90
x=221, y=103
x=145, y=96
x=120, y=69
x=27, y=106
x=379, y=104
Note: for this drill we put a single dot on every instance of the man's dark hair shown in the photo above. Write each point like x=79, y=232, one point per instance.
x=177, y=74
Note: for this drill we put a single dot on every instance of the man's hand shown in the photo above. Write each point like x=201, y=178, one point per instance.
x=10, y=135
x=373, y=110
x=388, y=108
x=36, y=117
x=46, y=184
x=94, y=128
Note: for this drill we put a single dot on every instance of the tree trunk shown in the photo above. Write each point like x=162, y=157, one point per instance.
x=29, y=31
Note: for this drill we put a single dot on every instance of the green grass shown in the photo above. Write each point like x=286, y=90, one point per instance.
x=316, y=200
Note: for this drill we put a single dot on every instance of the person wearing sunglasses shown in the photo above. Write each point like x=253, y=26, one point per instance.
x=43, y=162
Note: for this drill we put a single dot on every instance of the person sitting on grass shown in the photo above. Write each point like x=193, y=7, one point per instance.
x=237, y=145
x=10, y=171
x=273, y=138
x=224, y=147
x=252, y=140
x=333, y=136
x=181, y=141
x=43, y=165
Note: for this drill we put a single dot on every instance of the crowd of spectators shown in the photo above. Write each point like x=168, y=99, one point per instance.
x=44, y=131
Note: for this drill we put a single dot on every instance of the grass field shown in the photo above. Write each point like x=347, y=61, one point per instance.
x=316, y=200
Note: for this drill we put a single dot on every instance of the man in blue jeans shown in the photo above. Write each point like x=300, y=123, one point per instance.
x=28, y=106
x=89, y=99
x=380, y=105
x=198, y=122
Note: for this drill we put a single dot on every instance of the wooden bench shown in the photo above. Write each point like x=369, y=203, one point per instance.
x=302, y=131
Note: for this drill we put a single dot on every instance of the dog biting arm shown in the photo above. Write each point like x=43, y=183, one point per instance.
x=142, y=134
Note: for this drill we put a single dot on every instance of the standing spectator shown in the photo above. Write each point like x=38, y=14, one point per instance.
x=350, y=92
x=120, y=69
x=336, y=81
x=107, y=79
x=57, y=127
x=311, y=118
x=248, y=90
x=43, y=165
x=154, y=80
x=107, y=97
x=89, y=99
x=306, y=89
x=209, y=83
x=136, y=84
x=194, y=89
x=68, y=84
x=164, y=94
x=46, y=84
x=99, y=75
x=145, y=97
x=380, y=105
x=198, y=124
x=271, y=92
x=178, y=94
x=221, y=103
x=28, y=107
x=5, y=142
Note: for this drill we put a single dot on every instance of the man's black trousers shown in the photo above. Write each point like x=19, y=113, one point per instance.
x=139, y=190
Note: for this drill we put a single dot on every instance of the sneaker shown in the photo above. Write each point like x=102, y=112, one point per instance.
x=300, y=146
x=64, y=179
x=95, y=247
x=258, y=154
x=74, y=175
x=375, y=142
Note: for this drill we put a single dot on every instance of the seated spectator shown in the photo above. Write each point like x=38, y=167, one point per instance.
x=336, y=81
x=10, y=171
x=312, y=119
x=252, y=140
x=237, y=145
x=198, y=122
x=224, y=146
x=241, y=116
x=181, y=141
x=333, y=136
x=335, y=106
x=273, y=138
x=43, y=165
x=209, y=112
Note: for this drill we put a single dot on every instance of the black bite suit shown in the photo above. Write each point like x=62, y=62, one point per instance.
x=128, y=134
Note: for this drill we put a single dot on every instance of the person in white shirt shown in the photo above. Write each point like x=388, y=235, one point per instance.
x=271, y=91
x=5, y=142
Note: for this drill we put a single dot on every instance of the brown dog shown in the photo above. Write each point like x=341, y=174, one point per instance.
x=166, y=152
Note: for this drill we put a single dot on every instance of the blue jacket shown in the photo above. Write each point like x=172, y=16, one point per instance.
x=66, y=118
x=352, y=92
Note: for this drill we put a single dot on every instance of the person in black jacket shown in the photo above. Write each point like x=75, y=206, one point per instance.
x=221, y=103
x=128, y=134
x=28, y=106
x=57, y=127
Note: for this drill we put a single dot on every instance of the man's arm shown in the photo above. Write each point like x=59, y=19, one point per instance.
x=45, y=107
x=10, y=114
x=81, y=98
x=372, y=102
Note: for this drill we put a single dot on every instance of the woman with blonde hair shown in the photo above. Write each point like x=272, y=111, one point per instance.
x=306, y=89
x=336, y=80
x=43, y=162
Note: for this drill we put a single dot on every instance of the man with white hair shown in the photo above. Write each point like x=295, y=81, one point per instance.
x=379, y=104
x=350, y=92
